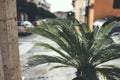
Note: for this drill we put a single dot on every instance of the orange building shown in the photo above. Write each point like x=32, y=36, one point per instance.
x=91, y=10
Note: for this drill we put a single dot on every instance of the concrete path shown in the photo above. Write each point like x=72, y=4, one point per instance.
x=41, y=72
x=24, y=47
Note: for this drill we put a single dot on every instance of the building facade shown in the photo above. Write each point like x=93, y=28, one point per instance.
x=41, y=3
x=60, y=14
x=91, y=10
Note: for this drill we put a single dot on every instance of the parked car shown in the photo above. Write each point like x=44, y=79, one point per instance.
x=115, y=32
x=23, y=25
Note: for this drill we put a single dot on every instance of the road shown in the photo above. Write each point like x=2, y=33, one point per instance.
x=27, y=48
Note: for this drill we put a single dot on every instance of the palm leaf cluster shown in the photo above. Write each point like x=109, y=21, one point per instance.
x=83, y=50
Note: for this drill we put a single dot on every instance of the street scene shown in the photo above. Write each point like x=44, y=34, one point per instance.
x=60, y=40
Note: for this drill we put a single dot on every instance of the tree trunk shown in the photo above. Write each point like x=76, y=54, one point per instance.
x=9, y=57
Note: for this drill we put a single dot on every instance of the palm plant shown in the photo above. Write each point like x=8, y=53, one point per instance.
x=83, y=50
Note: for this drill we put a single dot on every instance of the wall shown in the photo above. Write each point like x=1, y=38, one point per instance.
x=101, y=8
x=77, y=8
x=104, y=8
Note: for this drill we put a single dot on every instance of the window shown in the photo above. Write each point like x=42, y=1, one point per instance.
x=116, y=4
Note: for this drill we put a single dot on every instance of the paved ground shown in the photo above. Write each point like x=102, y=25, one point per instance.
x=41, y=72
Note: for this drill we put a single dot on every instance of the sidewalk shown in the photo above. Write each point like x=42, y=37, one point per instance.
x=25, y=47
x=41, y=72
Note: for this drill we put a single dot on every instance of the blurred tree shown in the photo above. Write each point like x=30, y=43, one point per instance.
x=21, y=7
x=42, y=13
x=48, y=14
x=32, y=11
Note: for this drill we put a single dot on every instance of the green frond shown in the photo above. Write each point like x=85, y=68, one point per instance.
x=106, y=53
x=99, y=43
x=42, y=59
x=68, y=40
x=105, y=30
x=110, y=73
x=101, y=36
x=83, y=27
x=58, y=66
x=68, y=56
x=50, y=36
x=61, y=53
x=71, y=38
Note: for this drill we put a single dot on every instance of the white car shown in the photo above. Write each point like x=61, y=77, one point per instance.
x=115, y=34
x=22, y=26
